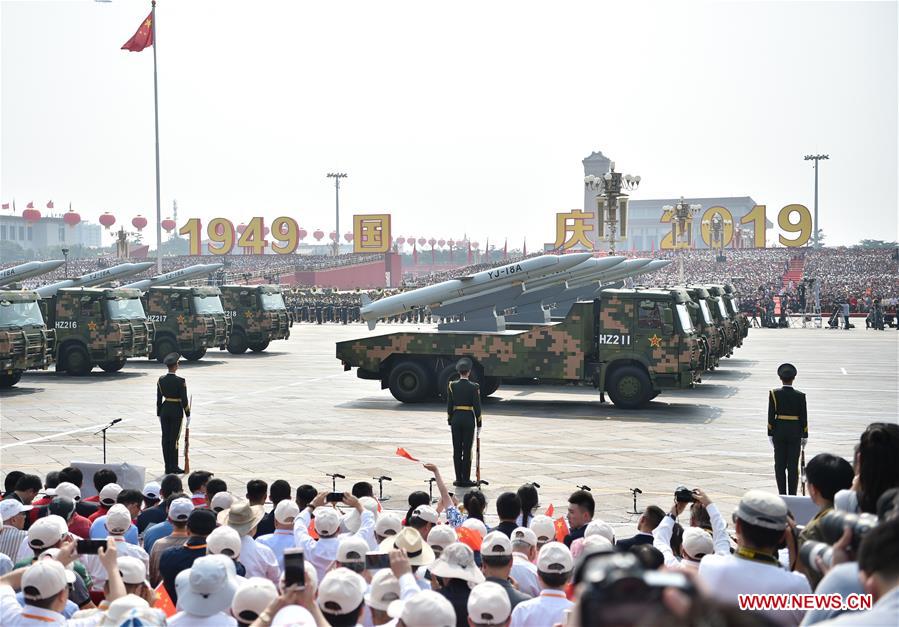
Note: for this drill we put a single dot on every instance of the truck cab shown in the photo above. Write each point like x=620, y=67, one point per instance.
x=733, y=305
x=25, y=341
x=188, y=320
x=258, y=316
x=732, y=325
x=701, y=311
x=97, y=327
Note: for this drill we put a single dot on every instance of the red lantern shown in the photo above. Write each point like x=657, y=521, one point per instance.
x=348, y=237
x=451, y=243
x=400, y=241
x=303, y=233
x=441, y=243
x=318, y=234
x=410, y=241
x=422, y=241
x=432, y=241
x=71, y=218
x=475, y=245
x=332, y=236
x=107, y=220
x=139, y=222
x=168, y=225
x=31, y=215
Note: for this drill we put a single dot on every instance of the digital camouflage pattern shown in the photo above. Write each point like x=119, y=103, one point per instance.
x=25, y=341
x=711, y=331
x=258, y=315
x=733, y=330
x=179, y=326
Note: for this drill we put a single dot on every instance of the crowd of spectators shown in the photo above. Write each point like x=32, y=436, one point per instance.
x=211, y=556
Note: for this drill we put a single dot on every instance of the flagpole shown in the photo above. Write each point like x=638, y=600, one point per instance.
x=156, y=116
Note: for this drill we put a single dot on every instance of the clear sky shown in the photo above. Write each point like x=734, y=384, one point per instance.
x=463, y=117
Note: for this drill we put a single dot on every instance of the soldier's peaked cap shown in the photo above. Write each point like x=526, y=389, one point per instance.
x=171, y=359
x=786, y=371
x=463, y=365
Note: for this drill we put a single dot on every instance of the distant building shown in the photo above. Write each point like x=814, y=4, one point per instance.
x=48, y=232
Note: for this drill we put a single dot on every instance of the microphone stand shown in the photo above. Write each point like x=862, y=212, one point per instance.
x=381, y=481
x=103, y=431
x=430, y=483
x=635, y=492
x=334, y=479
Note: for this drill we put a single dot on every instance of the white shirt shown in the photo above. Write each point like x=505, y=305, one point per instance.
x=524, y=572
x=546, y=609
x=98, y=572
x=259, y=560
x=14, y=615
x=662, y=539
x=322, y=552
x=727, y=576
x=277, y=542
x=11, y=541
x=220, y=619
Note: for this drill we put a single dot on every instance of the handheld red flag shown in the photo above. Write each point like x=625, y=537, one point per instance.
x=470, y=537
x=143, y=38
x=164, y=601
x=50, y=205
x=6, y=205
x=550, y=510
x=401, y=452
x=561, y=528
x=30, y=205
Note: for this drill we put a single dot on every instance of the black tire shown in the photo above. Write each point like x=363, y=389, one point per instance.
x=629, y=387
x=410, y=383
x=9, y=380
x=164, y=346
x=443, y=380
x=259, y=347
x=113, y=366
x=195, y=355
x=237, y=343
x=78, y=362
x=489, y=386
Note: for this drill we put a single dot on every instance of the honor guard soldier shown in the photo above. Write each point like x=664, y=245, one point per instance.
x=463, y=409
x=172, y=405
x=787, y=429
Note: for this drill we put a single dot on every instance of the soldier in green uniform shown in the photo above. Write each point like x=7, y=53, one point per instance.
x=172, y=405
x=787, y=429
x=463, y=409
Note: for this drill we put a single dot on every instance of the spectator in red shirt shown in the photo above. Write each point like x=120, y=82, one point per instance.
x=78, y=524
x=108, y=496
x=102, y=478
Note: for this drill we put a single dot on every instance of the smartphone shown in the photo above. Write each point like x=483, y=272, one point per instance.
x=377, y=561
x=89, y=547
x=294, y=567
x=334, y=497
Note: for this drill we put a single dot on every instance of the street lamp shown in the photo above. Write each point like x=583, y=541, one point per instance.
x=65, y=254
x=681, y=229
x=609, y=188
x=816, y=159
x=336, y=176
x=717, y=225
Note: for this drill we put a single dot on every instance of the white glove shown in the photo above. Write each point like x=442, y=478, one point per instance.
x=479, y=432
x=770, y=439
x=804, y=440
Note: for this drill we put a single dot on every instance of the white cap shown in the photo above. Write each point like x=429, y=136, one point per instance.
x=388, y=524
x=327, y=521
x=543, y=527
x=353, y=520
x=697, y=542
x=69, y=490
x=426, y=609
x=496, y=544
x=426, y=513
x=488, y=604
x=151, y=490
x=762, y=509
x=252, y=597
x=341, y=591
x=221, y=501
x=385, y=589
x=477, y=525
x=12, y=507
x=524, y=535
x=43, y=579
x=352, y=549
x=54, y=554
x=45, y=532
x=223, y=539
x=600, y=527
x=118, y=519
x=457, y=562
x=180, y=509
x=208, y=586
x=285, y=512
x=554, y=557
x=110, y=493
x=132, y=569
x=597, y=544
x=293, y=616
x=441, y=536
x=122, y=608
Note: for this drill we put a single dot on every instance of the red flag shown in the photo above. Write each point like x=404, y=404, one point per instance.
x=30, y=205
x=561, y=526
x=470, y=537
x=143, y=38
x=164, y=601
x=313, y=532
x=550, y=510
x=401, y=452
x=6, y=205
x=50, y=205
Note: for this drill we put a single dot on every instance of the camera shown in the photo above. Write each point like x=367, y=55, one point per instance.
x=684, y=494
x=811, y=550
x=834, y=522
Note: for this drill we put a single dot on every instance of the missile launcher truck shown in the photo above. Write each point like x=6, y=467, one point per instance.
x=188, y=320
x=25, y=341
x=258, y=315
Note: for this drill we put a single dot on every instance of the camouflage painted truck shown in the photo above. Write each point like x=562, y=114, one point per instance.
x=188, y=320
x=701, y=309
x=630, y=344
x=258, y=316
x=97, y=327
x=733, y=305
x=732, y=323
x=25, y=341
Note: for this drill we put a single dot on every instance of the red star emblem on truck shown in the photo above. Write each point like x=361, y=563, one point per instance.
x=655, y=341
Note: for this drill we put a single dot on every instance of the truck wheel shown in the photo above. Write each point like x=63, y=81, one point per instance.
x=9, y=380
x=112, y=366
x=164, y=346
x=629, y=387
x=489, y=386
x=78, y=362
x=195, y=355
x=237, y=343
x=409, y=382
x=443, y=380
x=258, y=348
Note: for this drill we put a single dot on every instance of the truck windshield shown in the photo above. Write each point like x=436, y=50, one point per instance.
x=722, y=309
x=208, y=305
x=684, y=317
x=706, y=314
x=271, y=302
x=125, y=309
x=732, y=304
x=20, y=314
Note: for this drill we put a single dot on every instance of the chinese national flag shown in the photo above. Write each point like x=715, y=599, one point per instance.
x=404, y=453
x=30, y=205
x=50, y=205
x=143, y=38
x=6, y=205
x=470, y=537
x=164, y=601
x=550, y=510
x=561, y=528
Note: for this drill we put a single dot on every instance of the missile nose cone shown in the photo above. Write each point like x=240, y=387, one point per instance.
x=142, y=265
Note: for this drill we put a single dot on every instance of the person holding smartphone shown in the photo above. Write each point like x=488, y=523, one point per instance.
x=323, y=551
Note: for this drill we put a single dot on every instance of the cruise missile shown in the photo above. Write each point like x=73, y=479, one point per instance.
x=625, y=270
x=176, y=276
x=96, y=278
x=595, y=266
x=28, y=270
x=513, y=273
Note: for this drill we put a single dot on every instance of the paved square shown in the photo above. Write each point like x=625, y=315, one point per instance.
x=293, y=413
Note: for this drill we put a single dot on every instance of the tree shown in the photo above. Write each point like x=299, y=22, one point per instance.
x=820, y=243
x=875, y=243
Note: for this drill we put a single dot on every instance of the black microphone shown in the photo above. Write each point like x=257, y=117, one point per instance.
x=637, y=490
x=336, y=476
x=115, y=421
x=382, y=478
x=584, y=487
